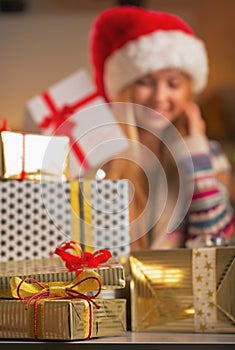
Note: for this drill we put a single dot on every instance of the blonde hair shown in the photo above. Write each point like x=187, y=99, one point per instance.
x=123, y=168
x=130, y=169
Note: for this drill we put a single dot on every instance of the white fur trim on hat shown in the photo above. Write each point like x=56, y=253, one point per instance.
x=156, y=51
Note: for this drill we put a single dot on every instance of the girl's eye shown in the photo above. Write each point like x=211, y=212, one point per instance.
x=145, y=82
x=174, y=84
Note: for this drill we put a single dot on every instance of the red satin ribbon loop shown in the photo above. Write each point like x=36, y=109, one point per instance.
x=74, y=262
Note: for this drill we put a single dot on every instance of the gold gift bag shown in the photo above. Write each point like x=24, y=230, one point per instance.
x=183, y=290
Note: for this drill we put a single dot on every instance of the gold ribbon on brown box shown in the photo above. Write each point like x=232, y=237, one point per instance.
x=35, y=293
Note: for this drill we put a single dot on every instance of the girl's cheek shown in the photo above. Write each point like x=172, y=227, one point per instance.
x=142, y=95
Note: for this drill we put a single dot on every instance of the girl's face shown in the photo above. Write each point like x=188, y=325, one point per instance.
x=166, y=92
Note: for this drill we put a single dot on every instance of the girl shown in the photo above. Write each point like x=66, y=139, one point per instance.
x=153, y=64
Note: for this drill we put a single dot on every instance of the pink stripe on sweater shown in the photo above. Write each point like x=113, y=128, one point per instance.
x=205, y=194
x=205, y=177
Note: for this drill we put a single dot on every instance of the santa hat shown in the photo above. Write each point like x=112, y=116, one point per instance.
x=127, y=42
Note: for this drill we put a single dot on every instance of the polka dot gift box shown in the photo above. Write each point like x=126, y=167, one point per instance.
x=36, y=217
x=100, y=215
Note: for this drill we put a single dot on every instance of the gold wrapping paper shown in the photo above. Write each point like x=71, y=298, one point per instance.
x=62, y=319
x=52, y=270
x=40, y=157
x=183, y=290
x=82, y=214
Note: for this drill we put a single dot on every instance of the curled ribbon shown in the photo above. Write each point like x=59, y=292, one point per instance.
x=86, y=281
x=78, y=260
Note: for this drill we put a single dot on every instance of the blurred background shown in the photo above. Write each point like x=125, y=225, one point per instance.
x=41, y=42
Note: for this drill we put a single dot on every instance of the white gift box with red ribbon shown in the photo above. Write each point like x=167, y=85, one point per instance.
x=73, y=108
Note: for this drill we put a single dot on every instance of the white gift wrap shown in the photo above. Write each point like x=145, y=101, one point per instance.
x=110, y=214
x=91, y=125
x=35, y=218
x=101, y=215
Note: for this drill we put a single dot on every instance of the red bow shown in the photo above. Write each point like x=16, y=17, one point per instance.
x=75, y=262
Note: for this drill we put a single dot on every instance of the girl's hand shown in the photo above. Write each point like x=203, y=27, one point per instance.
x=191, y=122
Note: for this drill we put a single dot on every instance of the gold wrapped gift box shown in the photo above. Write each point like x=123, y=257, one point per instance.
x=53, y=269
x=183, y=290
x=62, y=319
x=33, y=157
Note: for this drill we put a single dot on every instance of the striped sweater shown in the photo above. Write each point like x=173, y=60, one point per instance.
x=210, y=214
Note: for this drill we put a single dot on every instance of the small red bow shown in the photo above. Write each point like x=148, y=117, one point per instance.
x=75, y=262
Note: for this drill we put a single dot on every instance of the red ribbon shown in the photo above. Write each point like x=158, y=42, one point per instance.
x=23, y=172
x=5, y=128
x=44, y=294
x=76, y=263
x=60, y=116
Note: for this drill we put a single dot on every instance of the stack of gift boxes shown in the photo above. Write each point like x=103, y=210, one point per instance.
x=69, y=131
x=53, y=302
x=46, y=200
x=178, y=290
